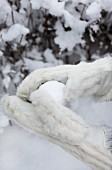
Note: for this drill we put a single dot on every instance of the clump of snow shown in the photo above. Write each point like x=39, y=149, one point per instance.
x=33, y=64
x=95, y=57
x=54, y=6
x=106, y=5
x=6, y=81
x=37, y=61
x=91, y=36
x=24, y=3
x=36, y=4
x=95, y=28
x=17, y=78
x=5, y=10
x=50, y=58
x=49, y=55
x=94, y=10
x=66, y=40
x=13, y=32
x=7, y=69
x=34, y=54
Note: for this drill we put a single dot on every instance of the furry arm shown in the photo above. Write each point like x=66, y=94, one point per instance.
x=60, y=125
x=81, y=80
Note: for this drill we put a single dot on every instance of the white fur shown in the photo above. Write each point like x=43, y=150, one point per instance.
x=82, y=79
x=59, y=125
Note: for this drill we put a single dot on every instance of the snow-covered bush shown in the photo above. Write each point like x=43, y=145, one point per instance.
x=42, y=33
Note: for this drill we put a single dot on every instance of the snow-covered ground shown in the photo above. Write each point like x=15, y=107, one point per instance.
x=22, y=150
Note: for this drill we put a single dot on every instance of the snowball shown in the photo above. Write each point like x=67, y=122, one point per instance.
x=55, y=90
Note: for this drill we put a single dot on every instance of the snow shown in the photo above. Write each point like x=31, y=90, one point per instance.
x=7, y=69
x=24, y=3
x=33, y=65
x=36, y=4
x=50, y=58
x=96, y=113
x=66, y=40
x=93, y=11
x=6, y=81
x=13, y=32
x=57, y=91
x=34, y=54
x=21, y=150
x=5, y=10
x=4, y=121
x=37, y=61
x=106, y=5
x=55, y=8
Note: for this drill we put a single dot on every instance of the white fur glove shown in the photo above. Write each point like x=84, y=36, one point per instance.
x=48, y=115
x=81, y=80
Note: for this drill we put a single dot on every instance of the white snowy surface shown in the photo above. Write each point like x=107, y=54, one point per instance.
x=20, y=150
x=4, y=121
x=93, y=11
x=95, y=113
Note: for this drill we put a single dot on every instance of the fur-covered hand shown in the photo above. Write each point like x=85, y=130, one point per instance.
x=91, y=79
x=81, y=80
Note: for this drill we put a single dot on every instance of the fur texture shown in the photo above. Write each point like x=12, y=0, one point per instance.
x=81, y=80
x=58, y=124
